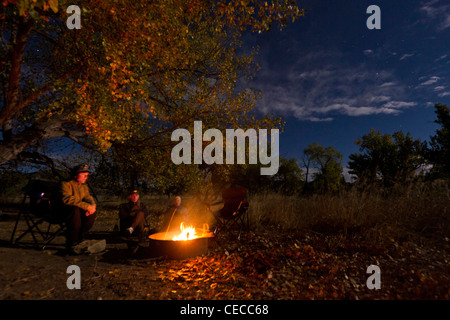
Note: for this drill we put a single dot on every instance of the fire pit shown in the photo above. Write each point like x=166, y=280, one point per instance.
x=190, y=242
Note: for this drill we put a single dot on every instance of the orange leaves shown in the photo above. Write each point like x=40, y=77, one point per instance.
x=53, y=4
x=113, y=66
x=292, y=266
x=182, y=53
x=6, y=2
x=256, y=17
x=203, y=276
x=265, y=267
x=257, y=263
x=102, y=70
x=33, y=8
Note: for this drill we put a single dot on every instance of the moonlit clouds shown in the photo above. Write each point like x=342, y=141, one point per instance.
x=319, y=86
x=430, y=81
x=406, y=56
x=438, y=13
x=320, y=74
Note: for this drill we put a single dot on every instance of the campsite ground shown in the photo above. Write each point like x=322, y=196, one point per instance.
x=265, y=264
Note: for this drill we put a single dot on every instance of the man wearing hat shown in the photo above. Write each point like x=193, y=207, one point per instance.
x=79, y=205
x=132, y=215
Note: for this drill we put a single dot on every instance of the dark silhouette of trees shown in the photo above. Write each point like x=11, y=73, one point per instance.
x=327, y=166
x=438, y=154
x=387, y=158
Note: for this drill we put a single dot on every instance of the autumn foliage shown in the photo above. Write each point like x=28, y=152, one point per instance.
x=135, y=68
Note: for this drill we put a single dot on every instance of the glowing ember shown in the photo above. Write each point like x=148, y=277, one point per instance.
x=187, y=233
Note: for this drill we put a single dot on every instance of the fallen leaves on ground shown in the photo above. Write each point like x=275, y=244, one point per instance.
x=266, y=265
x=289, y=267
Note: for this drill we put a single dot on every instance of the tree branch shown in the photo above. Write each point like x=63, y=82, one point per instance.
x=37, y=132
x=12, y=94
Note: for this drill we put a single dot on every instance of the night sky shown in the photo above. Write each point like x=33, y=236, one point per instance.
x=333, y=79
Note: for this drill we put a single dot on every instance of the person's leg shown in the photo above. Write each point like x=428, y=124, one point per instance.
x=125, y=223
x=138, y=221
x=133, y=225
x=87, y=223
x=73, y=226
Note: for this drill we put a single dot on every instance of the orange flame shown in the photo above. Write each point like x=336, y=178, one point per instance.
x=187, y=233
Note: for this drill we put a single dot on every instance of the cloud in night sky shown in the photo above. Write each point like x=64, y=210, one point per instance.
x=441, y=58
x=430, y=81
x=328, y=73
x=319, y=87
x=406, y=55
x=439, y=12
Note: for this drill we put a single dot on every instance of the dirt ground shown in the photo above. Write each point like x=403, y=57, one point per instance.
x=267, y=265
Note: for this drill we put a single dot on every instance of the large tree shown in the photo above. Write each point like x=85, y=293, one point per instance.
x=387, y=158
x=134, y=72
x=327, y=166
x=438, y=153
x=288, y=179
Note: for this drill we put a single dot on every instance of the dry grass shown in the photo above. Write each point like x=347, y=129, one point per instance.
x=416, y=210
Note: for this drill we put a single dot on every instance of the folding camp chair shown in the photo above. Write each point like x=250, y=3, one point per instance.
x=233, y=217
x=41, y=210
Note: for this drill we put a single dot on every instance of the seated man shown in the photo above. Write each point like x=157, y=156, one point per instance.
x=132, y=215
x=78, y=205
x=176, y=214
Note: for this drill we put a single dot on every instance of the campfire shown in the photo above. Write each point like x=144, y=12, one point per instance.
x=187, y=242
x=188, y=233
x=185, y=233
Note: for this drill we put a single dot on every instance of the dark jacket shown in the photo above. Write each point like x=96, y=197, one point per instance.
x=130, y=209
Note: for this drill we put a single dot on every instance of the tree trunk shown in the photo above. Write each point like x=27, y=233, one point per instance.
x=12, y=92
x=9, y=150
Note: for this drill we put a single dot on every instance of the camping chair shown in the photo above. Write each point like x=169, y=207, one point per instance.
x=41, y=213
x=233, y=217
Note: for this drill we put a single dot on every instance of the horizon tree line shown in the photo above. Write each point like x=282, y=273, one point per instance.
x=384, y=160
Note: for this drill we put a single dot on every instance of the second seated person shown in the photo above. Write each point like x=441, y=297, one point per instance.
x=132, y=215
